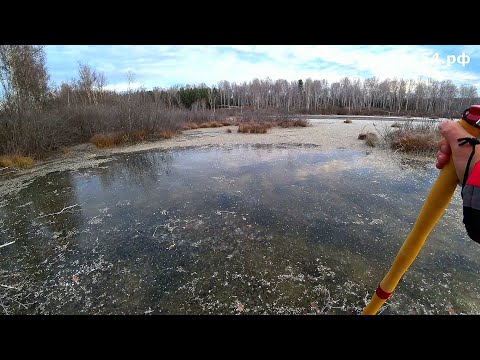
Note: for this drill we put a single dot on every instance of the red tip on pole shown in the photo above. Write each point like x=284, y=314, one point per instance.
x=382, y=294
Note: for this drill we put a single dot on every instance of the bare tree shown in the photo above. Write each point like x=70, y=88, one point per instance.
x=24, y=77
x=130, y=80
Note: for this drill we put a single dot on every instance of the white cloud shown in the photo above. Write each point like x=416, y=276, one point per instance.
x=124, y=86
x=212, y=64
x=381, y=61
x=193, y=64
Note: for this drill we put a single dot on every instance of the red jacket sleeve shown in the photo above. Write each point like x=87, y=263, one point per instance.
x=471, y=204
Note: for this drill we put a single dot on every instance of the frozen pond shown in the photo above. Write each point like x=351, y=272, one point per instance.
x=228, y=230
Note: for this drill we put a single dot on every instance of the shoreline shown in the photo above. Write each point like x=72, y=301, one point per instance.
x=326, y=136
x=373, y=117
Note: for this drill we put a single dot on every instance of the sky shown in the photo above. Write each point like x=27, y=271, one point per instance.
x=167, y=65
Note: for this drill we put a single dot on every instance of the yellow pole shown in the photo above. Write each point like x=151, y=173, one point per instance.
x=433, y=208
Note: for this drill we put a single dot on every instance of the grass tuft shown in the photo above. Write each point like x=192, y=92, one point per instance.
x=166, y=134
x=16, y=160
x=107, y=140
x=293, y=123
x=371, y=139
x=254, y=128
x=6, y=161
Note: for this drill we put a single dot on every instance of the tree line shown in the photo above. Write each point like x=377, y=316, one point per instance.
x=347, y=96
x=37, y=117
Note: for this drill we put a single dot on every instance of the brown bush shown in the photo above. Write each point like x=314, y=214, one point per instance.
x=254, y=128
x=101, y=140
x=292, y=123
x=108, y=140
x=301, y=123
x=347, y=121
x=371, y=139
x=210, y=124
x=417, y=141
x=362, y=136
x=412, y=136
x=244, y=128
x=189, y=126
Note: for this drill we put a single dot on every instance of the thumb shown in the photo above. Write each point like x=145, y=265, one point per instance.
x=452, y=131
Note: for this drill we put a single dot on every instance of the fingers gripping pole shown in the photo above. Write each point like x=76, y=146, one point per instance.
x=433, y=208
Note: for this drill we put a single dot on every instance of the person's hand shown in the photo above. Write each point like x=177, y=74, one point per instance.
x=448, y=146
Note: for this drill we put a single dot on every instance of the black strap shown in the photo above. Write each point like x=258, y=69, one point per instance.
x=473, y=142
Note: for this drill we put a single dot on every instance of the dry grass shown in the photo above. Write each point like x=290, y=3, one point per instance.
x=189, y=126
x=261, y=126
x=292, y=123
x=371, y=139
x=206, y=124
x=254, y=128
x=419, y=137
x=166, y=134
x=6, y=161
x=114, y=139
x=347, y=121
x=65, y=150
x=210, y=124
x=23, y=161
x=108, y=140
x=16, y=160
x=215, y=124
x=413, y=142
x=139, y=135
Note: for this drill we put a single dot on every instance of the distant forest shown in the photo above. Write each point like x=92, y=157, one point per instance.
x=371, y=96
x=37, y=117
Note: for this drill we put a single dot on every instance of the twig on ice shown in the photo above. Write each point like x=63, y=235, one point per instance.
x=59, y=212
x=3, y=245
x=9, y=287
